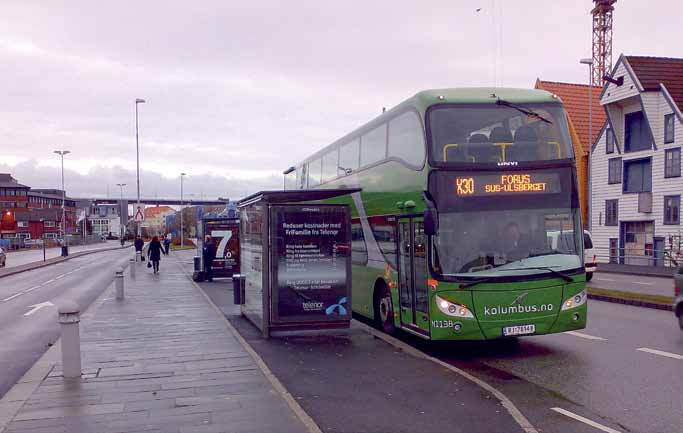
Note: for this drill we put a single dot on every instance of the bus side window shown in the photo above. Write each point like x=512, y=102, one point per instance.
x=406, y=139
x=373, y=146
x=349, y=155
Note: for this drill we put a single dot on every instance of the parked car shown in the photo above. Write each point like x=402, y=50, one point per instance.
x=563, y=241
x=678, y=295
x=589, y=258
x=3, y=258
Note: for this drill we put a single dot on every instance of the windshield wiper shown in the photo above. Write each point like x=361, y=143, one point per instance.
x=562, y=275
x=469, y=284
x=524, y=110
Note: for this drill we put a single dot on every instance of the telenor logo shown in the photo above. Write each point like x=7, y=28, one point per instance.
x=312, y=306
x=337, y=308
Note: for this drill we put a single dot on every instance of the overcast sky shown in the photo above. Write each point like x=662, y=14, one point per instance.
x=238, y=91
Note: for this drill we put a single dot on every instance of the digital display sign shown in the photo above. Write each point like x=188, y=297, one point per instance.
x=479, y=185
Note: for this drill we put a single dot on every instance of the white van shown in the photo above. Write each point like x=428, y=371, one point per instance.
x=589, y=258
x=561, y=241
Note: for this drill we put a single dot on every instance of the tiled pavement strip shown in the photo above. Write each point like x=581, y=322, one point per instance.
x=163, y=360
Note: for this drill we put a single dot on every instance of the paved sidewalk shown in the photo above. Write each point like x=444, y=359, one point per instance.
x=163, y=360
x=23, y=257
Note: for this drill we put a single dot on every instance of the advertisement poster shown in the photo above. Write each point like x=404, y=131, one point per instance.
x=226, y=235
x=311, y=261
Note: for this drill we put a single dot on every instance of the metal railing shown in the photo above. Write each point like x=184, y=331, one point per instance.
x=627, y=256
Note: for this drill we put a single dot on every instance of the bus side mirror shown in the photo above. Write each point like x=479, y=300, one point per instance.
x=431, y=221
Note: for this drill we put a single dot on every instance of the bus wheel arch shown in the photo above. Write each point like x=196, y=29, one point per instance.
x=383, y=308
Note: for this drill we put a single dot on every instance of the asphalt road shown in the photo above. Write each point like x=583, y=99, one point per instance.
x=28, y=331
x=623, y=372
x=21, y=257
x=633, y=283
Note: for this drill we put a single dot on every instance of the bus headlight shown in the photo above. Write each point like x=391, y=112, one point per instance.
x=451, y=309
x=575, y=301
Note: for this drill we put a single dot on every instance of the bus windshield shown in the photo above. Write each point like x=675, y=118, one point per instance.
x=505, y=223
x=495, y=133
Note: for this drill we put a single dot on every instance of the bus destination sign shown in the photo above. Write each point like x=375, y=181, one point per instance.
x=479, y=185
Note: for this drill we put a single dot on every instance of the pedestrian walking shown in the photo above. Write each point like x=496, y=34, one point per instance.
x=167, y=243
x=139, y=243
x=209, y=254
x=154, y=251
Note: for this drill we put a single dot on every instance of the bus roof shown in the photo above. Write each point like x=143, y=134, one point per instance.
x=422, y=100
x=481, y=95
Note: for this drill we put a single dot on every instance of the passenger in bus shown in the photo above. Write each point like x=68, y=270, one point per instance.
x=525, y=146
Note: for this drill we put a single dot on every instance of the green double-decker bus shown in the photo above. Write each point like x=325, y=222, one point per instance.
x=467, y=225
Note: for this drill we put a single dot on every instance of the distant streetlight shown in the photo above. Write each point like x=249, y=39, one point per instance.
x=284, y=177
x=62, y=153
x=182, y=175
x=589, y=62
x=121, y=185
x=137, y=155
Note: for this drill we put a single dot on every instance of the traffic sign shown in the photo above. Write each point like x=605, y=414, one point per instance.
x=139, y=215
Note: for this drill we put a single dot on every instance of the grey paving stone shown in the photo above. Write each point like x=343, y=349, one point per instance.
x=160, y=361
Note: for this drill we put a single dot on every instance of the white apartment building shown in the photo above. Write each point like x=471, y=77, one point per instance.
x=635, y=163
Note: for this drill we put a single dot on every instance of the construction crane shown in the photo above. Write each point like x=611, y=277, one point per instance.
x=602, y=40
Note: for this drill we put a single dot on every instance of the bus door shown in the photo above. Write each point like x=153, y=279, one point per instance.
x=412, y=275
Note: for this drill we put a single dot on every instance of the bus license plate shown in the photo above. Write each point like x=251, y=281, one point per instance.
x=519, y=330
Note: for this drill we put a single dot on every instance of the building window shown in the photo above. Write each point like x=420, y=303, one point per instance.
x=672, y=162
x=49, y=223
x=614, y=171
x=672, y=207
x=22, y=223
x=669, y=128
x=609, y=140
x=611, y=212
x=638, y=175
x=637, y=136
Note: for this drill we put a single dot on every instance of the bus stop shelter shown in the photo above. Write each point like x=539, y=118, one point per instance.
x=295, y=260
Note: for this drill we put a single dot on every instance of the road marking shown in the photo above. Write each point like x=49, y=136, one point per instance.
x=13, y=296
x=661, y=353
x=521, y=420
x=31, y=289
x=586, y=336
x=604, y=279
x=584, y=420
x=37, y=307
x=641, y=283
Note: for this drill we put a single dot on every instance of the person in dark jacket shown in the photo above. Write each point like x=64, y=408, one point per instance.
x=139, y=243
x=209, y=254
x=154, y=251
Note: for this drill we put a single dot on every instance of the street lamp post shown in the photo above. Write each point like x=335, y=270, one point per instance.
x=122, y=232
x=64, y=241
x=589, y=62
x=137, y=157
x=182, y=175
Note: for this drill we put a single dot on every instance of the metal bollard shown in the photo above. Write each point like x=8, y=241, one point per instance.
x=118, y=280
x=132, y=268
x=71, y=340
x=138, y=256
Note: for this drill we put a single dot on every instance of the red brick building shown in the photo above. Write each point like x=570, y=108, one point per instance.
x=29, y=213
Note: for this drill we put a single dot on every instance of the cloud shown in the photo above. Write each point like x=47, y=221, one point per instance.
x=242, y=90
x=101, y=182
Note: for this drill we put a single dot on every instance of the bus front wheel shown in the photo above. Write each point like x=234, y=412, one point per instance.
x=384, y=311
